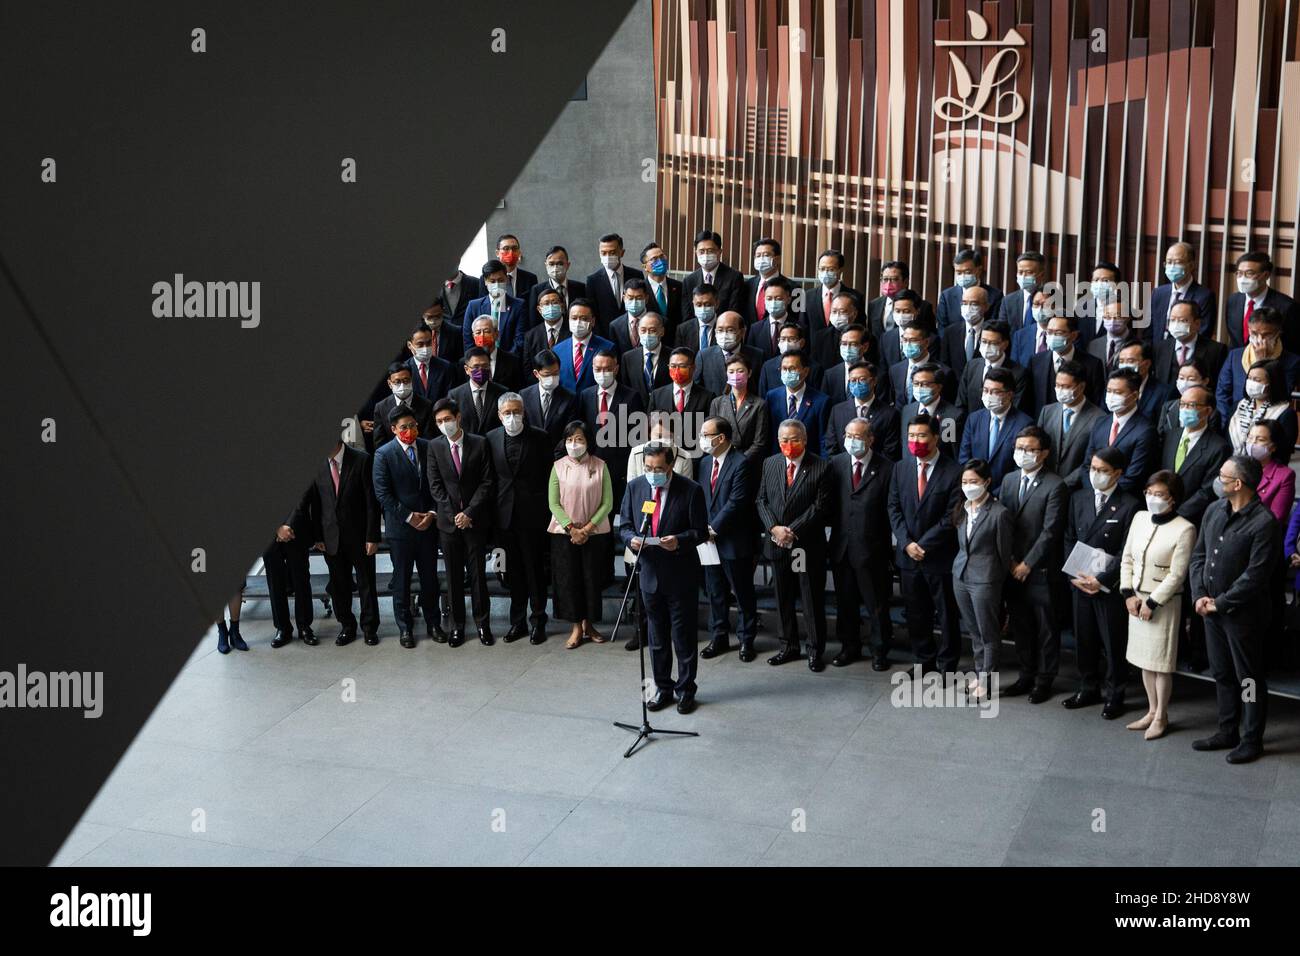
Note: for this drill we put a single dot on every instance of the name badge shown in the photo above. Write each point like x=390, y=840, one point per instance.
x=1112, y=521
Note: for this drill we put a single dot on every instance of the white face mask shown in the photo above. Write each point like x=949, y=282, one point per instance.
x=840, y=320
x=1101, y=480
x=557, y=273
x=1179, y=329
x=707, y=260
x=449, y=428
x=997, y=404
x=496, y=289
x=1157, y=506
x=424, y=354
x=604, y=379
x=1065, y=396
x=1184, y=384
x=991, y=353
x=402, y=392
x=1026, y=460
x=762, y=264
x=706, y=445
x=1247, y=286
x=514, y=424
x=611, y=262
x=576, y=449
x=971, y=313
x=548, y=382
x=1115, y=403
x=785, y=345
x=580, y=329
x=972, y=492
x=727, y=340
x=1255, y=389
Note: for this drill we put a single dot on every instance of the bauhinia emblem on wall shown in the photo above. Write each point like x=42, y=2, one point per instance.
x=972, y=101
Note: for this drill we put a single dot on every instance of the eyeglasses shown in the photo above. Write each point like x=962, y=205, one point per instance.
x=1192, y=406
x=1248, y=275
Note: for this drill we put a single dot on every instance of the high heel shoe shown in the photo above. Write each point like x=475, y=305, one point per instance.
x=223, y=638
x=1142, y=723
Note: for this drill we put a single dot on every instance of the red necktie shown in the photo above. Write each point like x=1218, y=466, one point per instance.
x=920, y=481
x=789, y=474
x=334, y=473
x=604, y=408
x=1114, y=431
x=577, y=362
x=681, y=399
x=1245, y=322
x=424, y=377
x=857, y=474
x=654, y=518
x=826, y=307
x=713, y=480
x=760, y=304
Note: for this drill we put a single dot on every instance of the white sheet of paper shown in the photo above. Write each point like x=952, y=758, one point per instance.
x=708, y=552
x=1085, y=559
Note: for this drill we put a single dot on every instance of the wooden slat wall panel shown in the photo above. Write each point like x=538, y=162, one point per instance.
x=815, y=121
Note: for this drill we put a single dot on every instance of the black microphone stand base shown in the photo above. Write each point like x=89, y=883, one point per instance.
x=644, y=731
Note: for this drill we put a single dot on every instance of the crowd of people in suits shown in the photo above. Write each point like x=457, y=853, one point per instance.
x=1021, y=463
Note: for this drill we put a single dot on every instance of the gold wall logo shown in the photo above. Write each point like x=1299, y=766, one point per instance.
x=973, y=100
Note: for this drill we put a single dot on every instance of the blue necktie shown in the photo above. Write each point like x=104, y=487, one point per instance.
x=794, y=408
x=649, y=371
x=993, y=434
x=662, y=298
x=410, y=453
x=1069, y=414
x=704, y=337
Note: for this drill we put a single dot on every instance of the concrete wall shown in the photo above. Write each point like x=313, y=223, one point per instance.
x=584, y=180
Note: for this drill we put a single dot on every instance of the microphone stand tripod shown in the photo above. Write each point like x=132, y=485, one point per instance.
x=645, y=730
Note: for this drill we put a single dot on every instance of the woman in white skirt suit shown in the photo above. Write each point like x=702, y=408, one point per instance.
x=1153, y=570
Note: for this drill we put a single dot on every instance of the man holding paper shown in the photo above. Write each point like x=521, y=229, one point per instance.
x=670, y=569
x=726, y=478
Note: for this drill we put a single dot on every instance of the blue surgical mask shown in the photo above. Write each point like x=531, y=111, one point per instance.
x=1058, y=343
x=860, y=390
x=1102, y=290
x=911, y=349
x=1027, y=283
x=552, y=313
x=657, y=479
x=1189, y=417
x=924, y=394
x=1041, y=315
x=650, y=341
x=1175, y=273
x=828, y=278
x=855, y=447
x=705, y=313
x=775, y=307
x=635, y=307
x=966, y=279
x=850, y=353
x=790, y=378
x=659, y=267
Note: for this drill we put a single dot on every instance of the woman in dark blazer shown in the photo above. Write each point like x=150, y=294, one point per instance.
x=746, y=410
x=984, y=541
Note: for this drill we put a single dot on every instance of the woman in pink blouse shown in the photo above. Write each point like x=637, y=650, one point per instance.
x=1266, y=443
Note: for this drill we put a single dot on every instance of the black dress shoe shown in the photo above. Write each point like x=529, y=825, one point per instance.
x=880, y=663
x=516, y=631
x=660, y=700
x=236, y=641
x=1219, y=741
x=633, y=643
x=407, y=639
x=371, y=638
x=715, y=648
x=815, y=663
x=1021, y=686
x=686, y=704
x=485, y=636
x=281, y=638
x=845, y=658
x=1114, y=708
x=784, y=656
x=457, y=637
x=345, y=638
x=747, y=653
x=436, y=632
x=1082, y=698
x=1040, y=693
x=537, y=635
x=1244, y=752
x=223, y=639
x=308, y=638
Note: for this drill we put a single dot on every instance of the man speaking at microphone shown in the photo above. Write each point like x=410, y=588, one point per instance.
x=670, y=569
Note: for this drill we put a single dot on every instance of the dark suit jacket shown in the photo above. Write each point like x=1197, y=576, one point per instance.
x=1155, y=395
x=564, y=409
x=975, y=440
x=750, y=424
x=885, y=422
x=674, y=315
x=970, y=395
x=401, y=487
x=711, y=366
x=471, y=288
x=1196, y=293
x=523, y=283
x=814, y=411
x=759, y=336
x=626, y=402
x=469, y=419
x=928, y=520
x=535, y=341
x=573, y=289
x=1107, y=531
x=875, y=318
x=898, y=382
x=601, y=293
x=620, y=335
x=346, y=522
x=1164, y=367
x=1038, y=520
x=1200, y=468
x=1068, y=448
x=770, y=377
x=423, y=417
x=1235, y=562
x=729, y=283
x=440, y=376
x=804, y=507
x=948, y=311
x=631, y=371
x=860, y=527
x=471, y=490
x=520, y=494
x=952, y=422
x=448, y=344
x=1011, y=310
x=698, y=400
x=814, y=315
x=1137, y=440
x=510, y=331
x=1236, y=308
x=509, y=372
x=685, y=517
x=749, y=301
x=731, y=504
x=1042, y=378
x=1099, y=347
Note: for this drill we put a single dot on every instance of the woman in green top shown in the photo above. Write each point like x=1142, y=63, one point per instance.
x=581, y=498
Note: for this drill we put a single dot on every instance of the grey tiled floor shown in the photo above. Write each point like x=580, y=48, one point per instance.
x=506, y=756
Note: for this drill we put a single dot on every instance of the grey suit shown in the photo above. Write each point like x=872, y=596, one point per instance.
x=1069, y=448
x=750, y=425
x=1038, y=528
x=978, y=571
